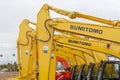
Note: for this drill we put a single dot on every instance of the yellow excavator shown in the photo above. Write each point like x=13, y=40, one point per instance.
x=37, y=56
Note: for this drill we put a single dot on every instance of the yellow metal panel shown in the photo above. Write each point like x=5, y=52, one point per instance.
x=24, y=43
x=100, y=56
x=94, y=56
x=32, y=64
x=78, y=50
x=24, y=30
x=26, y=52
x=78, y=58
x=89, y=59
x=52, y=66
x=72, y=51
x=97, y=31
x=80, y=61
x=113, y=49
x=44, y=37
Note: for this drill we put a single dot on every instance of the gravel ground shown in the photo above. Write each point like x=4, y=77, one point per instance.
x=6, y=75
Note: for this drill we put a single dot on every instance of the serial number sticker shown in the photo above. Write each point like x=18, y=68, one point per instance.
x=45, y=49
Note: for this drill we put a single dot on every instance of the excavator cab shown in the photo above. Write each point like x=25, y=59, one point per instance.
x=74, y=72
x=109, y=70
x=86, y=74
x=92, y=72
x=81, y=72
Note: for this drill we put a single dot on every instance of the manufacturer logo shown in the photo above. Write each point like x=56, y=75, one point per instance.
x=79, y=42
x=86, y=29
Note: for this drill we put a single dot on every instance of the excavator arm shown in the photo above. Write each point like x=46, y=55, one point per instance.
x=102, y=47
x=92, y=30
x=74, y=14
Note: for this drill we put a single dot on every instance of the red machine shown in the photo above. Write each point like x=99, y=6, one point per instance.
x=63, y=74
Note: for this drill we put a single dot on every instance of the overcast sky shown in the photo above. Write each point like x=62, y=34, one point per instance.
x=12, y=12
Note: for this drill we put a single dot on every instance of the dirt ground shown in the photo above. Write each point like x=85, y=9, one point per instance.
x=6, y=75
